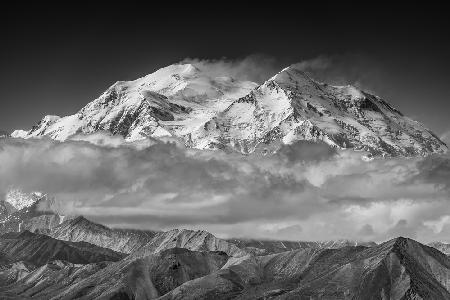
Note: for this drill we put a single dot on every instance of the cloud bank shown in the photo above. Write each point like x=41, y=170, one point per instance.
x=305, y=191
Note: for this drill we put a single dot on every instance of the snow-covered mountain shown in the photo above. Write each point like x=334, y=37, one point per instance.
x=21, y=211
x=291, y=106
x=185, y=102
x=171, y=101
x=16, y=200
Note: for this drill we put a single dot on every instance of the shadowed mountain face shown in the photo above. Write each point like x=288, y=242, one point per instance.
x=148, y=277
x=398, y=269
x=186, y=264
x=144, y=278
x=39, y=249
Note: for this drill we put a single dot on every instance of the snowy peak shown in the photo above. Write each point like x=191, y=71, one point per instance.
x=292, y=76
x=19, y=200
x=291, y=106
x=172, y=101
x=219, y=112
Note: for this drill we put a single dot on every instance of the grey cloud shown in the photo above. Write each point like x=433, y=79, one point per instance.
x=402, y=228
x=323, y=193
x=366, y=230
x=434, y=170
x=306, y=151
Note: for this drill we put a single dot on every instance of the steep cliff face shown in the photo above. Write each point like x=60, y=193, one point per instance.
x=206, y=112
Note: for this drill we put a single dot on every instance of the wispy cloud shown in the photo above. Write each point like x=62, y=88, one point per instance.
x=355, y=69
x=256, y=67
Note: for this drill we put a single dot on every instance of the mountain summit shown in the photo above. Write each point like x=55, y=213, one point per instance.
x=209, y=112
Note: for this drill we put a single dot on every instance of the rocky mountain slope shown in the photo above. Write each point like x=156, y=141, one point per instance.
x=185, y=102
x=398, y=269
x=40, y=249
x=148, y=277
x=72, y=257
x=26, y=281
x=186, y=264
x=264, y=247
x=121, y=240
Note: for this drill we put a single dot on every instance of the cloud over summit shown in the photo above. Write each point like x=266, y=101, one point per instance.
x=255, y=67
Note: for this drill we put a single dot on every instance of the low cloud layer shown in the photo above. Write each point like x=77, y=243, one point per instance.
x=306, y=191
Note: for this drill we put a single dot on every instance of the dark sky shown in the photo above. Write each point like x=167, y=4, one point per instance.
x=56, y=59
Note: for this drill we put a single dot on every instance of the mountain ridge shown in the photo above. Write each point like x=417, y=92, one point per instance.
x=188, y=264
